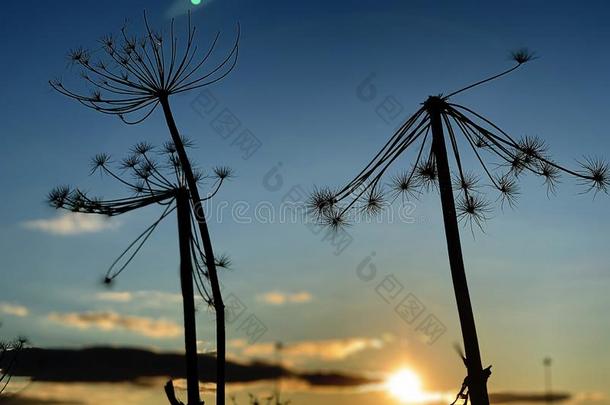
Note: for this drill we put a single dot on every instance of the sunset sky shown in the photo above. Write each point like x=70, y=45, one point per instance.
x=538, y=276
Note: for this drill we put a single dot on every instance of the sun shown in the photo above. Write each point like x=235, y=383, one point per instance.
x=406, y=386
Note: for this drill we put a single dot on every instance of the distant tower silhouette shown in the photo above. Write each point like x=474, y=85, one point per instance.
x=547, y=379
x=278, y=379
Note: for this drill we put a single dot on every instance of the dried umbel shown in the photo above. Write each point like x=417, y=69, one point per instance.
x=127, y=75
x=503, y=160
x=437, y=135
x=152, y=176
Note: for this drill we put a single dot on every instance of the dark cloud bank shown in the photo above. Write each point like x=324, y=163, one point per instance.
x=104, y=364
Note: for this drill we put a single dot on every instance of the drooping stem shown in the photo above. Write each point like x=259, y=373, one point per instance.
x=188, y=299
x=480, y=82
x=207, y=249
x=477, y=377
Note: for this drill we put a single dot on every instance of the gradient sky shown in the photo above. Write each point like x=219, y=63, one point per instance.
x=539, y=274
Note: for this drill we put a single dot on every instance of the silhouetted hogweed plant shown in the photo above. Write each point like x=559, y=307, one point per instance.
x=367, y=193
x=129, y=76
x=151, y=181
x=503, y=160
x=155, y=177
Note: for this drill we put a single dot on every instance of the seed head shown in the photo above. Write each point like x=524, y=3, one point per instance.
x=466, y=182
x=404, y=185
x=473, y=210
x=130, y=162
x=509, y=190
x=375, y=201
x=169, y=147
x=78, y=56
x=223, y=172
x=320, y=201
x=142, y=148
x=532, y=147
x=57, y=197
x=551, y=176
x=108, y=42
x=522, y=55
x=99, y=162
x=426, y=174
x=223, y=261
x=335, y=219
x=595, y=174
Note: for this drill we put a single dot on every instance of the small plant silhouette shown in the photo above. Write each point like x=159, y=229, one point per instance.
x=129, y=77
x=424, y=134
x=9, y=355
x=163, y=183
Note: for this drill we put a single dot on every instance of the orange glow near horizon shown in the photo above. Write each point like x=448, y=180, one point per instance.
x=406, y=386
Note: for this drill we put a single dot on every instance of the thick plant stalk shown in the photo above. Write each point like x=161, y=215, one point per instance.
x=207, y=249
x=477, y=377
x=183, y=208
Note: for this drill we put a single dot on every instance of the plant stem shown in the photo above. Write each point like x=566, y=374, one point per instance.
x=547, y=380
x=477, y=377
x=207, y=249
x=183, y=208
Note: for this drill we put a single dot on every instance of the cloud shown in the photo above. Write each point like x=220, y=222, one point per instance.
x=281, y=298
x=72, y=223
x=108, y=320
x=116, y=364
x=145, y=298
x=590, y=397
x=112, y=296
x=329, y=350
x=238, y=343
x=13, y=309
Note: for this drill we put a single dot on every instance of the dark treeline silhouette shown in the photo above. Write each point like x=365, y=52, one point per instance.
x=506, y=397
x=128, y=364
x=23, y=400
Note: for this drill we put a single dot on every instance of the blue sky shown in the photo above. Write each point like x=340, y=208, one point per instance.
x=539, y=275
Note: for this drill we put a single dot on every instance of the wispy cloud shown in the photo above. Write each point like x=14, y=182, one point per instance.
x=144, y=298
x=591, y=396
x=281, y=298
x=328, y=350
x=13, y=309
x=108, y=321
x=114, y=296
x=69, y=223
